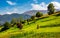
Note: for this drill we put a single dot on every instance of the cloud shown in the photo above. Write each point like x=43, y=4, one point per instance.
x=56, y=4
x=13, y=10
x=11, y=3
x=43, y=6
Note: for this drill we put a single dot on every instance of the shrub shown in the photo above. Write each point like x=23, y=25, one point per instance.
x=38, y=26
x=6, y=26
x=28, y=23
x=32, y=17
x=14, y=20
x=39, y=14
x=23, y=22
x=28, y=20
x=12, y=25
x=19, y=25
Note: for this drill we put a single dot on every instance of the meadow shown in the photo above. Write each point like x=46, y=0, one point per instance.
x=48, y=27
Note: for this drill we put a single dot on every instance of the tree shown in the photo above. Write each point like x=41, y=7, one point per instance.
x=6, y=26
x=19, y=25
x=32, y=17
x=51, y=9
x=14, y=20
x=20, y=19
x=28, y=20
x=39, y=14
x=23, y=22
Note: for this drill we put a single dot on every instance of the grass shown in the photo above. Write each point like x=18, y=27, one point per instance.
x=49, y=27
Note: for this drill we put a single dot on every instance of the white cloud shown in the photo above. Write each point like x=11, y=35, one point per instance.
x=56, y=4
x=43, y=6
x=11, y=3
x=14, y=10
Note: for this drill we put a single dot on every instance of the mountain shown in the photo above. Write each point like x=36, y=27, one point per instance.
x=25, y=15
x=8, y=17
x=33, y=12
x=57, y=10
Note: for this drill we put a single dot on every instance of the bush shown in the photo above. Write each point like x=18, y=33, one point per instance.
x=32, y=17
x=6, y=26
x=28, y=20
x=39, y=14
x=49, y=13
x=14, y=20
x=12, y=25
x=19, y=25
x=23, y=22
x=38, y=26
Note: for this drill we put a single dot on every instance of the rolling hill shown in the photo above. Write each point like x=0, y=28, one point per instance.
x=49, y=27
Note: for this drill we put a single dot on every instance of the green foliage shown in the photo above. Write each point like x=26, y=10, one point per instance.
x=6, y=26
x=14, y=20
x=21, y=19
x=28, y=20
x=45, y=27
x=38, y=26
x=51, y=9
x=23, y=22
x=39, y=14
x=32, y=17
x=19, y=25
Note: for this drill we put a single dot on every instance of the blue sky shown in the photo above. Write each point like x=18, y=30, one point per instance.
x=20, y=6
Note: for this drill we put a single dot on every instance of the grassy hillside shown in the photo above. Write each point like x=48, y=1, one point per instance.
x=49, y=27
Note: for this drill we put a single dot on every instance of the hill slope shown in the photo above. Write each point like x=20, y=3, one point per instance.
x=48, y=27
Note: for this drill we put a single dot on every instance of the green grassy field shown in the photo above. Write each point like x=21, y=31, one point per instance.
x=49, y=27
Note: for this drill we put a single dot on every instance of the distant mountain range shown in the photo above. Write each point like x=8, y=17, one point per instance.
x=33, y=12
x=7, y=17
x=25, y=15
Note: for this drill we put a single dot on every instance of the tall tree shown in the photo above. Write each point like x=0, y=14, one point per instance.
x=51, y=9
x=21, y=19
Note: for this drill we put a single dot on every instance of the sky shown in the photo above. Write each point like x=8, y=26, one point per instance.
x=21, y=6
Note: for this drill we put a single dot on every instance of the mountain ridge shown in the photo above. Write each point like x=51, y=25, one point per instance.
x=25, y=15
